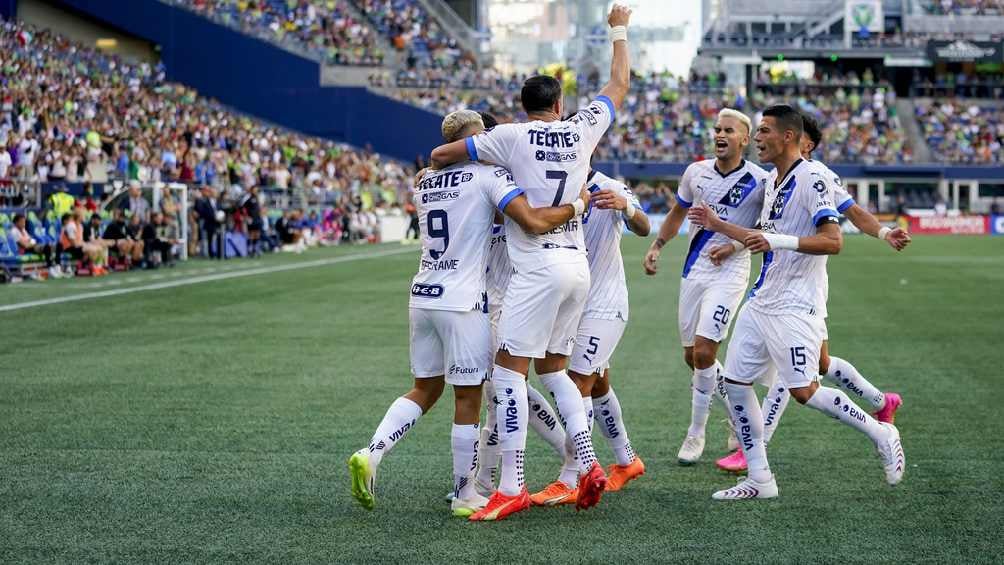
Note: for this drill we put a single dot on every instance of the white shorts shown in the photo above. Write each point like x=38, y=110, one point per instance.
x=707, y=308
x=455, y=344
x=826, y=331
x=541, y=310
x=595, y=344
x=789, y=342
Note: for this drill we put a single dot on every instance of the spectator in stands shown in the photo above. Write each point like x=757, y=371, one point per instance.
x=252, y=209
x=28, y=244
x=286, y=227
x=158, y=241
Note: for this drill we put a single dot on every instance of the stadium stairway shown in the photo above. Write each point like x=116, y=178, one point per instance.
x=905, y=110
x=259, y=78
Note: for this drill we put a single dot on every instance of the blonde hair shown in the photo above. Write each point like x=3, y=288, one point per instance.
x=456, y=123
x=730, y=113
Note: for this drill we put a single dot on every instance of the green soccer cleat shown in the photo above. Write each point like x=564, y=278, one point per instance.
x=363, y=478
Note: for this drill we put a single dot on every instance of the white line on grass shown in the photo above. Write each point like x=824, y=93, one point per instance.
x=203, y=279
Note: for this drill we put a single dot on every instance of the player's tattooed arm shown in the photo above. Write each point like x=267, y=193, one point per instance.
x=667, y=231
x=542, y=220
x=897, y=238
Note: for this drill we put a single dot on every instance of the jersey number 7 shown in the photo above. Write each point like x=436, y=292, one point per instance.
x=561, y=177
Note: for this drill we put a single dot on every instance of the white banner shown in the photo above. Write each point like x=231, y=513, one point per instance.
x=864, y=15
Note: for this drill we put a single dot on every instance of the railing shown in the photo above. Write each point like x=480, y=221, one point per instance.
x=470, y=38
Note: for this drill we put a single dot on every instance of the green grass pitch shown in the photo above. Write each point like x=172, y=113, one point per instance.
x=212, y=423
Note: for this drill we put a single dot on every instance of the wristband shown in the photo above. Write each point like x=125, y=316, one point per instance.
x=780, y=241
x=884, y=232
x=738, y=245
x=579, y=206
x=629, y=211
x=659, y=243
x=618, y=33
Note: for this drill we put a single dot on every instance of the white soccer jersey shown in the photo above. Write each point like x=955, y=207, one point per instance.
x=499, y=269
x=550, y=162
x=841, y=197
x=737, y=197
x=608, y=295
x=456, y=206
x=790, y=281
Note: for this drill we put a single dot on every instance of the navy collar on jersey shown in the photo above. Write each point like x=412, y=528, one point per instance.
x=742, y=163
x=592, y=173
x=780, y=178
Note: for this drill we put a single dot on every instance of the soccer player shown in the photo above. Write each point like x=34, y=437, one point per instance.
x=834, y=369
x=450, y=336
x=544, y=301
x=709, y=293
x=612, y=206
x=780, y=324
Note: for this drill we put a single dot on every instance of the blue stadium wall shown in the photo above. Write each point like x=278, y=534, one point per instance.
x=269, y=82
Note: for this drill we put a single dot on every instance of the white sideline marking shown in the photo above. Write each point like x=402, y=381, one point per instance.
x=202, y=279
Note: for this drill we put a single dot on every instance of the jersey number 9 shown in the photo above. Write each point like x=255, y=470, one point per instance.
x=438, y=226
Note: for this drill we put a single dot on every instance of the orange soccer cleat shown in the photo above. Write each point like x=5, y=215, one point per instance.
x=499, y=506
x=591, y=486
x=554, y=494
x=620, y=475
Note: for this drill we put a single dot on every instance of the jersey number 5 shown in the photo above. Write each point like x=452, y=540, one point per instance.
x=442, y=230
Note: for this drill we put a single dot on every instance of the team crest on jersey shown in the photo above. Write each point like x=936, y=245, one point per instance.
x=739, y=191
x=820, y=186
x=584, y=115
x=781, y=199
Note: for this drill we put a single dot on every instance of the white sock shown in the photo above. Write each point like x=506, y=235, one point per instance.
x=836, y=403
x=569, y=403
x=774, y=404
x=488, y=445
x=720, y=384
x=607, y=411
x=749, y=429
x=845, y=376
x=510, y=389
x=544, y=421
x=587, y=408
x=702, y=389
x=400, y=417
x=464, y=440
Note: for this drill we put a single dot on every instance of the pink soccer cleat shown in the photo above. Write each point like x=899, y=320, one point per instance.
x=888, y=412
x=735, y=463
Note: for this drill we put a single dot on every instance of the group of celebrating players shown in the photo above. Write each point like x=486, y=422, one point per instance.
x=505, y=278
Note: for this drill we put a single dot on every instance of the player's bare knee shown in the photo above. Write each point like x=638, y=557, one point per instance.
x=704, y=353
x=583, y=382
x=520, y=365
x=551, y=363
x=802, y=394
x=426, y=392
x=824, y=359
x=602, y=385
x=688, y=357
x=467, y=404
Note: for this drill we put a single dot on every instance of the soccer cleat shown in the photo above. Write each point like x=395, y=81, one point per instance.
x=591, y=486
x=888, y=412
x=620, y=475
x=464, y=507
x=891, y=451
x=735, y=463
x=450, y=496
x=747, y=489
x=499, y=506
x=554, y=494
x=484, y=489
x=363, y=478
x=691, y=450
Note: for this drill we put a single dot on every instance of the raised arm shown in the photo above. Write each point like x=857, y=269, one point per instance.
x=620, y=67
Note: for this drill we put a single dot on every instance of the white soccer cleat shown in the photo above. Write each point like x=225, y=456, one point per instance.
x=691, y=450
x=464, y=507
x=891, y=451
x=484, y=489
x=747, y=489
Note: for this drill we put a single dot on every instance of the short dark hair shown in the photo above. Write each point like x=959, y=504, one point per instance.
x=811, y=128
x=540, y=93
x=95, y=216
x=18, y=217
x=786, y=116
x=489, y=120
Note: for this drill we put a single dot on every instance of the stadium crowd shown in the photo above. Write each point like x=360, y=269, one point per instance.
x=964, y=7
x=963, y=132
